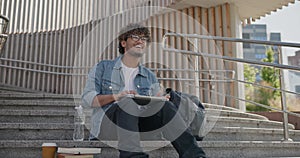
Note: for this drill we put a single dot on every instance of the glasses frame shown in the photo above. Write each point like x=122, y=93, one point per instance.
x=137, y=38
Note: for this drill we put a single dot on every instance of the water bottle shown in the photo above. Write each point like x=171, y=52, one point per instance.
x=79, y=119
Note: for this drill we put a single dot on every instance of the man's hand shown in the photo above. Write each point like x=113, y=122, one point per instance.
x=161, y=92
x=122, y=94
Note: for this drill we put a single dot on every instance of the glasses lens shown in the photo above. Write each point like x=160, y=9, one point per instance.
x=136, y=38
x=144, y=39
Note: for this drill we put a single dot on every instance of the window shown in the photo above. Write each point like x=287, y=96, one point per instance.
x=262, y=38
x=297, y=88
x=246, y=36
x=246, y=45
x=260, y=56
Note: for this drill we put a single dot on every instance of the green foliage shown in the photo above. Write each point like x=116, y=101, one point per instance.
x=262, y=96
x=270, y=78
x=271, y=75
x=249, y=74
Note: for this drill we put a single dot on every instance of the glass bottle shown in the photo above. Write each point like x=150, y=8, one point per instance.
x=79, y=118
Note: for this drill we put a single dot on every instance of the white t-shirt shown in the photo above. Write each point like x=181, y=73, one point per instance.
x=129, y=75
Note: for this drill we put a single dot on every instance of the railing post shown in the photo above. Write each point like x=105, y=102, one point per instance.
x=197, y=84
x=283, y=101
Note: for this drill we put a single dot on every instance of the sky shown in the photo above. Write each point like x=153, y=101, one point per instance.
x=287, y=22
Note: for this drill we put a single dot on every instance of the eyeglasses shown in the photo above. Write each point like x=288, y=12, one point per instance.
x=137, y=38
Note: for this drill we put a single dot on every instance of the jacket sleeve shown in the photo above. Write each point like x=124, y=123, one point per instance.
x=93, y=84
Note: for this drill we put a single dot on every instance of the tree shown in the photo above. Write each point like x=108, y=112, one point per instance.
x=249, y=76
x=270, y=78
x=271, y=75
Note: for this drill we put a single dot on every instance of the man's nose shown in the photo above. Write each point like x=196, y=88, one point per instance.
x=140, y=40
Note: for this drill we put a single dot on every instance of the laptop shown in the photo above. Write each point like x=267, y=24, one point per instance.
x=145, y=100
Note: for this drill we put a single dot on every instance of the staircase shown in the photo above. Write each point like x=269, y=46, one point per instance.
x=29, y=119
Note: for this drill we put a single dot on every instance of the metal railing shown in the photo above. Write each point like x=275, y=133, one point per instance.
x=66, y=70
x=3, y=29
x=279, y=66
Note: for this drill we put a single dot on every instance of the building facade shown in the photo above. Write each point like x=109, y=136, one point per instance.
x=258, y=51
x=259, y=32
x=294, y=76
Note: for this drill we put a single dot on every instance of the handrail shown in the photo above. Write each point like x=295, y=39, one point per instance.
x=84, y=74
x=268, y=87
x=249, y=101
x=42, y=71
x=42, y=64
x=230, y=39
x=3, y=36
x=248, y=61
x=225, y=78
x=171, y=69
x=4, y=17
x=232, y=59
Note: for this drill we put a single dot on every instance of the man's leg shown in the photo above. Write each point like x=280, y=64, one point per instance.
x=128, y=132
x=176, y=131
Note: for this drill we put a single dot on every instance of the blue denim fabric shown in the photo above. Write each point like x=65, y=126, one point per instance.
x=106, y=77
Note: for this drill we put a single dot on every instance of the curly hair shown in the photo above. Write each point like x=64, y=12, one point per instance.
x=132, y=29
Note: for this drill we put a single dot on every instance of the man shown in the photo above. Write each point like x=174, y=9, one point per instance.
x=108, y=84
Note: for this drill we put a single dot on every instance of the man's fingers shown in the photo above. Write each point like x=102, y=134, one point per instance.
x=132, y=92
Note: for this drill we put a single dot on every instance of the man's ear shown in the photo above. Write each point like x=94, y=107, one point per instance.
x=123, y=43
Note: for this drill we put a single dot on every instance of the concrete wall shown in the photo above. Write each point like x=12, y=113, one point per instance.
x=277, y=116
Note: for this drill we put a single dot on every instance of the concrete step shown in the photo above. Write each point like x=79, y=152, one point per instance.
x=40, y=116
x=58, y=116
x=214, y=149
x=35, y=116
x=39, y=131
x=231, y=113
x=219, y=121
x=54, y=104
x=249, y=134
x=40, y=101
x=219, y=107
x=67, y=116
x=13, y=89
x=34, y=96
x=39, y=97
x=48, y=99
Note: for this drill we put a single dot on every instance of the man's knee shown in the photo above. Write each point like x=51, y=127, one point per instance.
x=169, y=106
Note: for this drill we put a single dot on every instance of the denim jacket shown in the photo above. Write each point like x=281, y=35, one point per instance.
x=106, y=77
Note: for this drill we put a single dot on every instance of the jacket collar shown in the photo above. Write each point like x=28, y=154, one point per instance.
x=118, y=66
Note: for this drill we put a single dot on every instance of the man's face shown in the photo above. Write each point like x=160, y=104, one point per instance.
x=135, y=45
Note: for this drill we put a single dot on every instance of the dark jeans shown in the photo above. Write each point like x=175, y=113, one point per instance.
x=129, y=147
